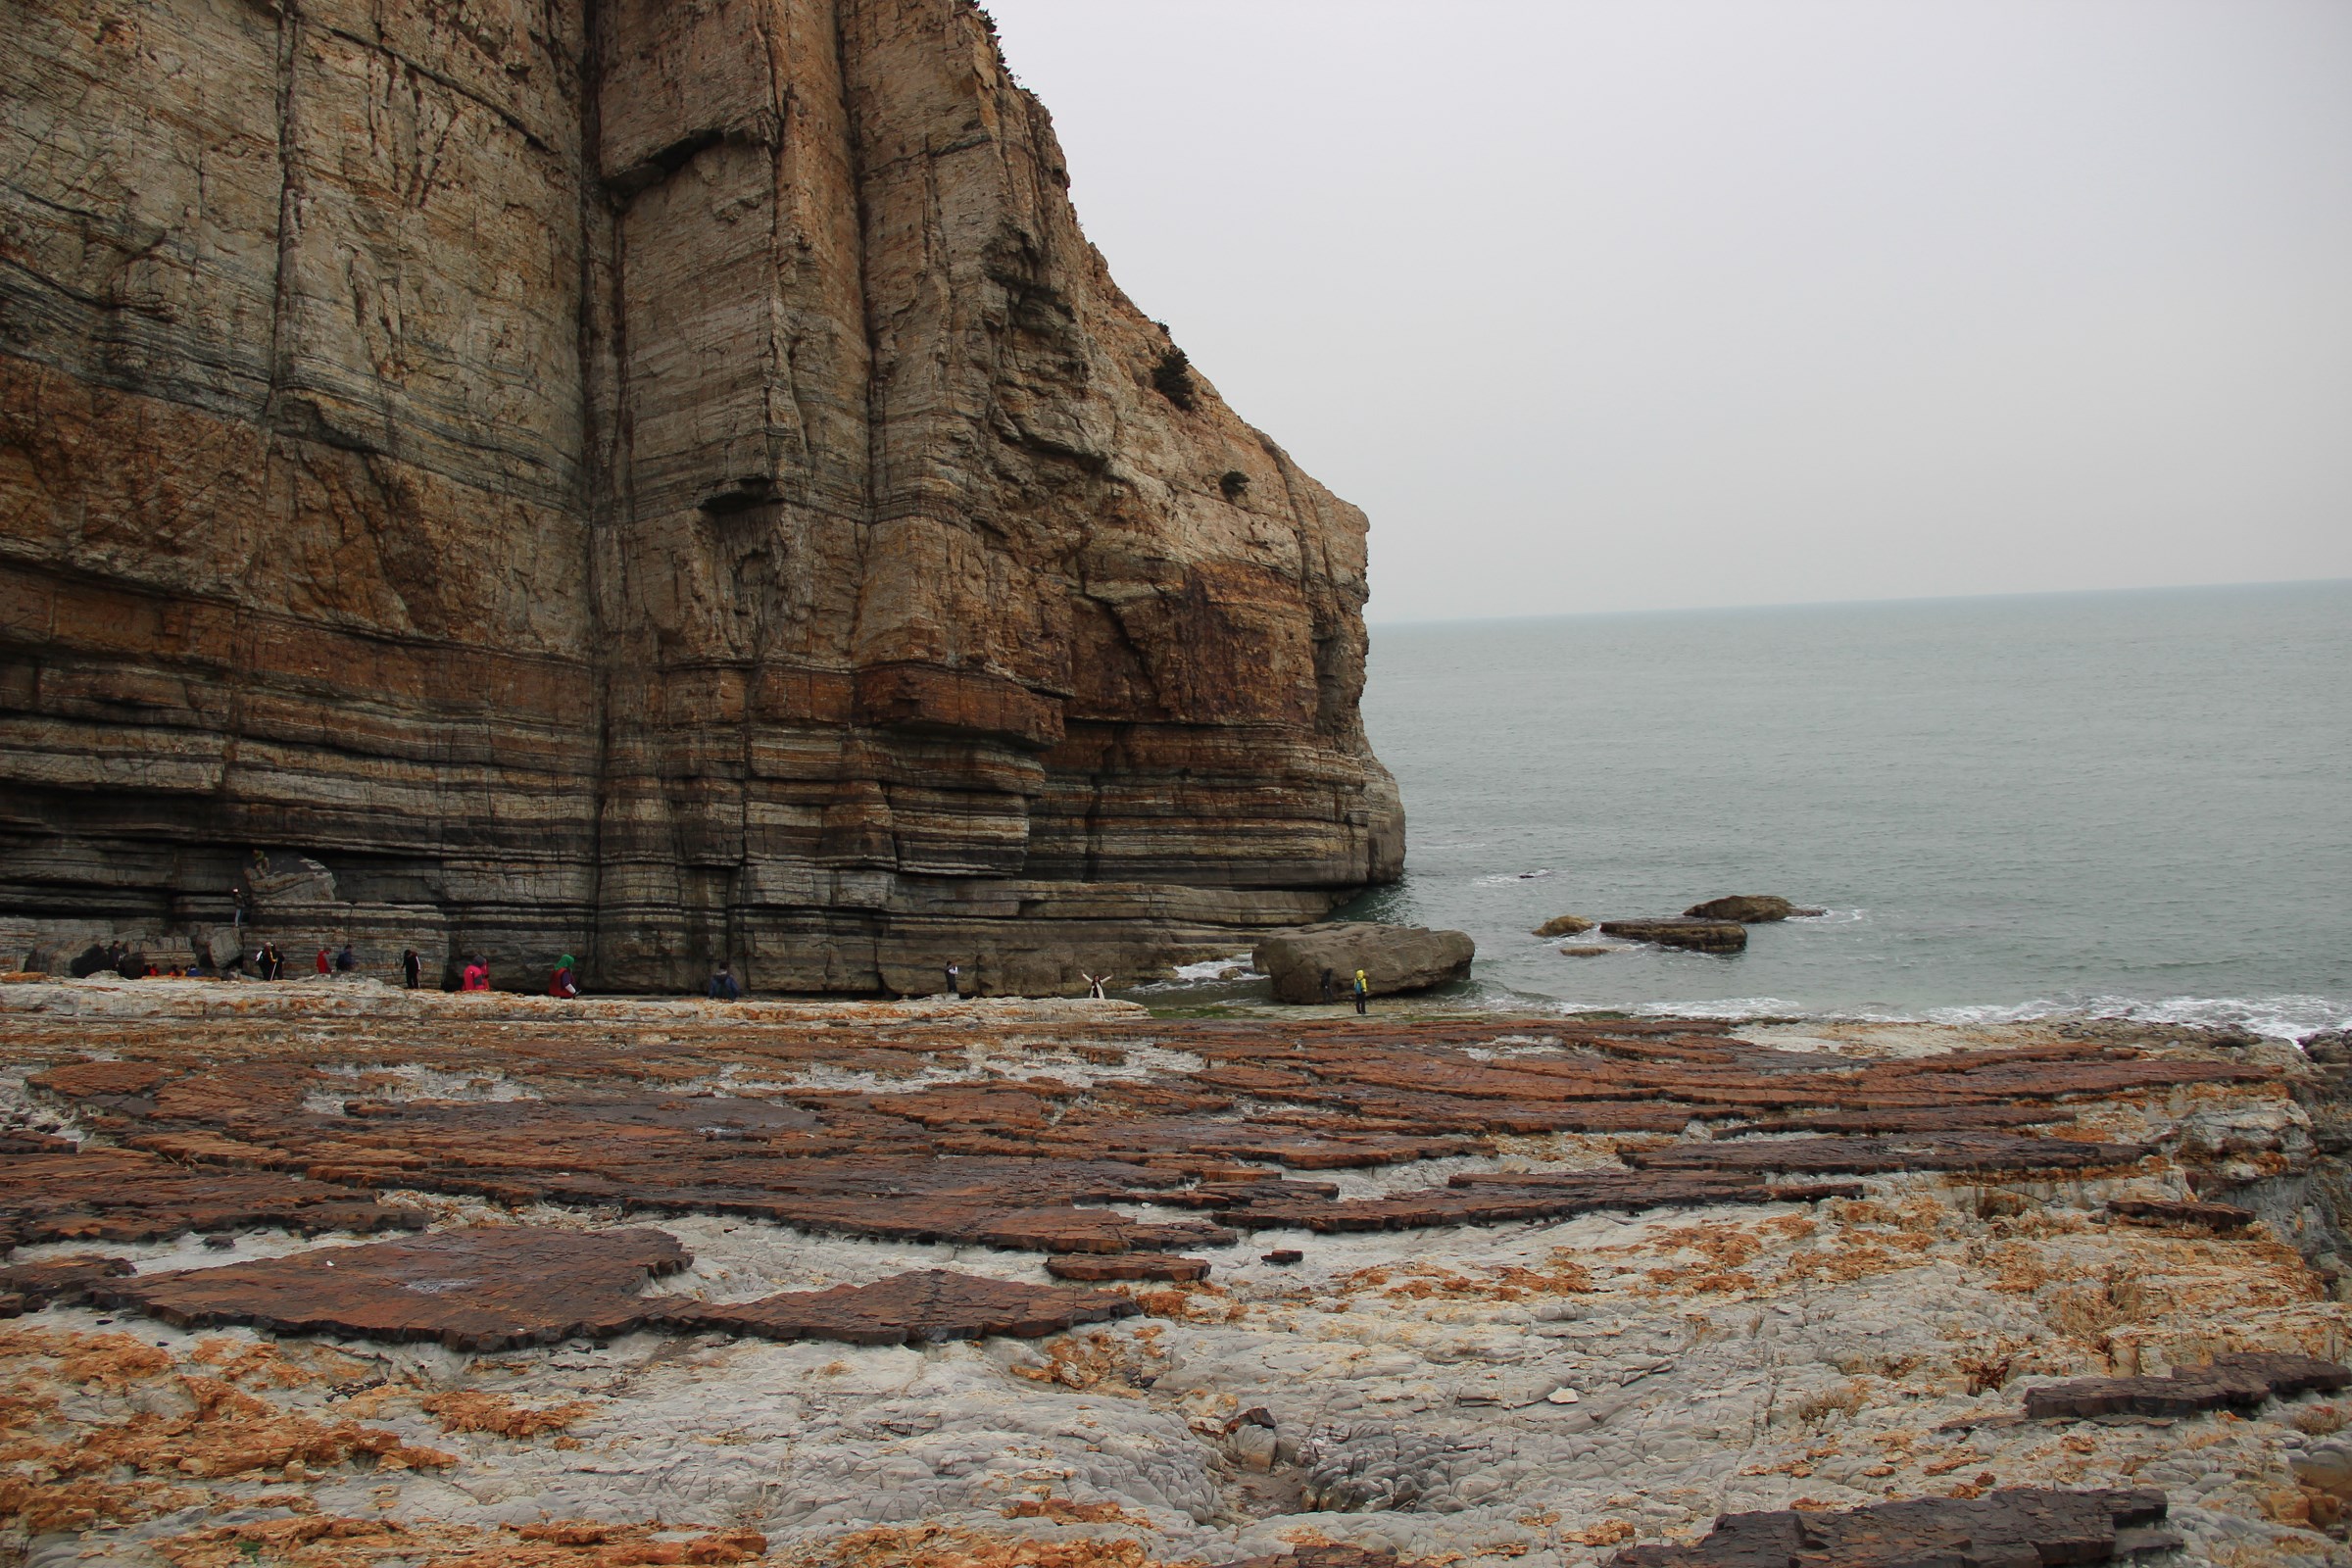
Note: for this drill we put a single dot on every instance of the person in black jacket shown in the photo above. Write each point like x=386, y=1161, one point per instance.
x=411, y=969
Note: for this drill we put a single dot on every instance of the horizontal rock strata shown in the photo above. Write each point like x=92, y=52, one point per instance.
x=496, y=1288
x=2019, y=1525
x=1036, y=1164
x=649, y=483
x=2228, y=1382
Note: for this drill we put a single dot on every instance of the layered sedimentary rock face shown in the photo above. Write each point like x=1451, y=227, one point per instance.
x=652, y=482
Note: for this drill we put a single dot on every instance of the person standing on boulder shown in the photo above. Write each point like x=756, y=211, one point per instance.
x=411, y=969
x=1364, y=990
x=1331, y=987
x=954, y=982
x=324, y=961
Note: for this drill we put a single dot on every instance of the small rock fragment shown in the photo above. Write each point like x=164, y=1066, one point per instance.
x=1094, y=1269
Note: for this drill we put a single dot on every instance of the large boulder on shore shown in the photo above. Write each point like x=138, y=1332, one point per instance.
x=1700, y=936
x=1394, y=959
x=1748, y=908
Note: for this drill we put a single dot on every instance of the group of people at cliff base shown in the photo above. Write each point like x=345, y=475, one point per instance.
x=271, y=965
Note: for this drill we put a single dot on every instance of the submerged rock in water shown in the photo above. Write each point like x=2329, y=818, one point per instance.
x=1565, y=925
x=1591, y=950
x=1394, y=959
x=1701, y=936
x=1748, y=908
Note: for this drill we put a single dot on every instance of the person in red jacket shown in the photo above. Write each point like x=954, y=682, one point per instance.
x=563, y=982
x=324, y=965
x=476, y=976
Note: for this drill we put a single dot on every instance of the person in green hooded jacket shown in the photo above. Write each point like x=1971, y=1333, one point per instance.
x=564, y=982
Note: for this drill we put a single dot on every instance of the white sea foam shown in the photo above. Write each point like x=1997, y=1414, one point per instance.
x=2288, y=1017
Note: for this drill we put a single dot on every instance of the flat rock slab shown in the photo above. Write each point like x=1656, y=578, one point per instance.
x=1127, y=1267
x=1027, y=1164
x=1969, y=1151
x=61, y=1280
x=1325, y=1554
x=115, y=1195
x=1484, y=1199
x=1698, y=936
x=918, y=1307
x=2019, y=1525
x=2203, y=1216
x=478, y=1290
x=2238, y=1381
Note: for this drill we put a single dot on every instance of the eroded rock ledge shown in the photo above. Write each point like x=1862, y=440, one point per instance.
x=640, y=481
x=694, y=1284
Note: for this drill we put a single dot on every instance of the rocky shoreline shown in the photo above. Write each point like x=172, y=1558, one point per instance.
x=900, y=1282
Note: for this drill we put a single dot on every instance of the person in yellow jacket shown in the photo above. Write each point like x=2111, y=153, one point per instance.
x=1364, y=990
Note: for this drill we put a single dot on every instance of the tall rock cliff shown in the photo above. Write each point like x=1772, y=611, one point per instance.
x=653, y=479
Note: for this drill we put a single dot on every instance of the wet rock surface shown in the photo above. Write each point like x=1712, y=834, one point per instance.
x=1565, y=925
x=1748, y=908
x=846, y=1284
x=1698, y=936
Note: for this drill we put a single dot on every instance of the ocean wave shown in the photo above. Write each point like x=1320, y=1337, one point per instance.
x=1501, y=878
x=1728, y=1008
x=2288, y=1017
x=1206, y=973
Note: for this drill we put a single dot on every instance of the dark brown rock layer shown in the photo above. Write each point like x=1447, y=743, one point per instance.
x=639, y=481
x=2028, y=1527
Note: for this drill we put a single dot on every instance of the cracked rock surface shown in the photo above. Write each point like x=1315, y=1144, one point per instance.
x=1600, y=1352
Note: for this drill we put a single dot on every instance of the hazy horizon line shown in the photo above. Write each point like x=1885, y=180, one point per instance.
x=1373, y=622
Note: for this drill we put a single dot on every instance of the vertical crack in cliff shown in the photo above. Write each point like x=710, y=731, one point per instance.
x=600, y=449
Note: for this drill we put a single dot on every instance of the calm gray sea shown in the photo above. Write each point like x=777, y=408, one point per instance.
x=2126, y=802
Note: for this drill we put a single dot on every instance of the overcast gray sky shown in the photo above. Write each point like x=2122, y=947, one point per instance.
x=1703, y=302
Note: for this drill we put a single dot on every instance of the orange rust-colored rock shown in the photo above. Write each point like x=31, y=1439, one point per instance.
x=121, y=1195
x=479, y=1290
